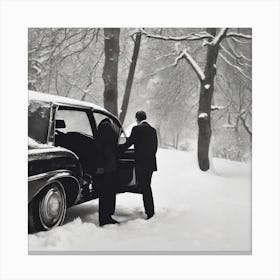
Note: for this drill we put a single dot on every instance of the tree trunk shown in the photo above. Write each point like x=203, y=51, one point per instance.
x=205, y=100
x=177, y=140
x=130, y=76
x=157, y=127
x=110, y=70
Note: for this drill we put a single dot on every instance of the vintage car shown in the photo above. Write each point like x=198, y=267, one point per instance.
x=62, y=152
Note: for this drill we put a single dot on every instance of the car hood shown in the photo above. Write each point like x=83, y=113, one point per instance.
x=33, y=144
x=37, y=150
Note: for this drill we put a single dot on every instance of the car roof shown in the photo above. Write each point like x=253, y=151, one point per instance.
x=39, y=96
x=66, y=101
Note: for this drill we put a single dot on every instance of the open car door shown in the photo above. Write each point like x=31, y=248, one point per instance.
x=126, y=169
x=126, y=159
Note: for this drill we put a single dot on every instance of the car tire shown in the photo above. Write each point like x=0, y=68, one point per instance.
x=47, y=210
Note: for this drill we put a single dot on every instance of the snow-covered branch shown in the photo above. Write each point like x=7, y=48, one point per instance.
x=165, y=55
x=228, y=52
x=219, y=37
x=238, y=35
x=189, y=58
x=189, y=37
x=194, y=65
x=239, y=41
x=240, y=70
x=217, y=108
x=238, y=55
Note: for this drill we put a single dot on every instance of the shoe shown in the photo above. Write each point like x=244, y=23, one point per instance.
x=113, y=221
x=149, y=216
x=109, y=221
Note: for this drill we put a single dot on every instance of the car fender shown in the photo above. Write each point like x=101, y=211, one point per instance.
x=37, y=183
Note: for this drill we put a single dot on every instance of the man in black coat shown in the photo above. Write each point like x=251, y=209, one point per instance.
x=144, y=138
x=107, y=163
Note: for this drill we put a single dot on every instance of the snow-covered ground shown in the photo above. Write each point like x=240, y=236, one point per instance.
x=195, y=212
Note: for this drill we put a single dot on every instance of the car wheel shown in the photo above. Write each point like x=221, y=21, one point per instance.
x=48, y=209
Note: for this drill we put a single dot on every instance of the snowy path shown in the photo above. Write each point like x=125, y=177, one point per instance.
x=195, y=212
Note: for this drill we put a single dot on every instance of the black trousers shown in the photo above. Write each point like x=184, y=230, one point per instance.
x=144, y=178
x=107, y=196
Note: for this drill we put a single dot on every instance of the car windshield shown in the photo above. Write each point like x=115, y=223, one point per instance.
x=38, y=121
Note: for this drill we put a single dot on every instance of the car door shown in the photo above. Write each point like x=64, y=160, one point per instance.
x=75, y=131
x=126, y=159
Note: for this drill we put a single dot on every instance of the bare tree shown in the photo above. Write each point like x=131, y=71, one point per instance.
x=212, y=40
x=137, y=42
x=60, y=60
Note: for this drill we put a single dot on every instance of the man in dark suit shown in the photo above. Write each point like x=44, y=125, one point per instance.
x=144, y=138
x=107, y=159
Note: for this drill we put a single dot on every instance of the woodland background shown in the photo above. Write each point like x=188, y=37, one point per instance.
x=177, y=75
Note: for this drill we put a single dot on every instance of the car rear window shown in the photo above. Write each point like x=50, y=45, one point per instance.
x=38, y=121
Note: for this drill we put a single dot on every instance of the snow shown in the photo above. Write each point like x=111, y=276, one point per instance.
x=228, y=125
x=50, y=98
x=217, y=107
x=207, y=86
x=34, y=144
x=203, y=116
x=195, y=212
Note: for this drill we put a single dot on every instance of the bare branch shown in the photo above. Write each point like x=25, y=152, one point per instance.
x=189, y=58
x=166, y=67
x=245, y=125
x=238, y=55
x=165, y=55
x=85, y=92
x=235, y=66
x=92, y=69
x=76, y=41
x=80, y=50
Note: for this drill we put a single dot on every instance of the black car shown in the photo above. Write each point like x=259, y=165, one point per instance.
x=62, y=169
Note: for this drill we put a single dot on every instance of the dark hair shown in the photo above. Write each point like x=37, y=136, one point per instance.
x=104, y=121
x=140, y=115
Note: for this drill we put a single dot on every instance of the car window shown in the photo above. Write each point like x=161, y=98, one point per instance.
x=99, y=117
x=38, y=121
x=75, y=121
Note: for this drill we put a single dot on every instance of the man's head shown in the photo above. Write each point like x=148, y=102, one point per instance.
x=140, y=116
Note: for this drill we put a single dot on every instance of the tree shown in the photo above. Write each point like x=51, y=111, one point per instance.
x=137, y=42
x=62, y=61
x=212, y=39
x=110, y=70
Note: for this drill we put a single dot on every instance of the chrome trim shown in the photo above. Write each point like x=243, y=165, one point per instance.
x=51, y=149
x=50, y=124
x=63, y=172
x=51, y=131
x=126, y=160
